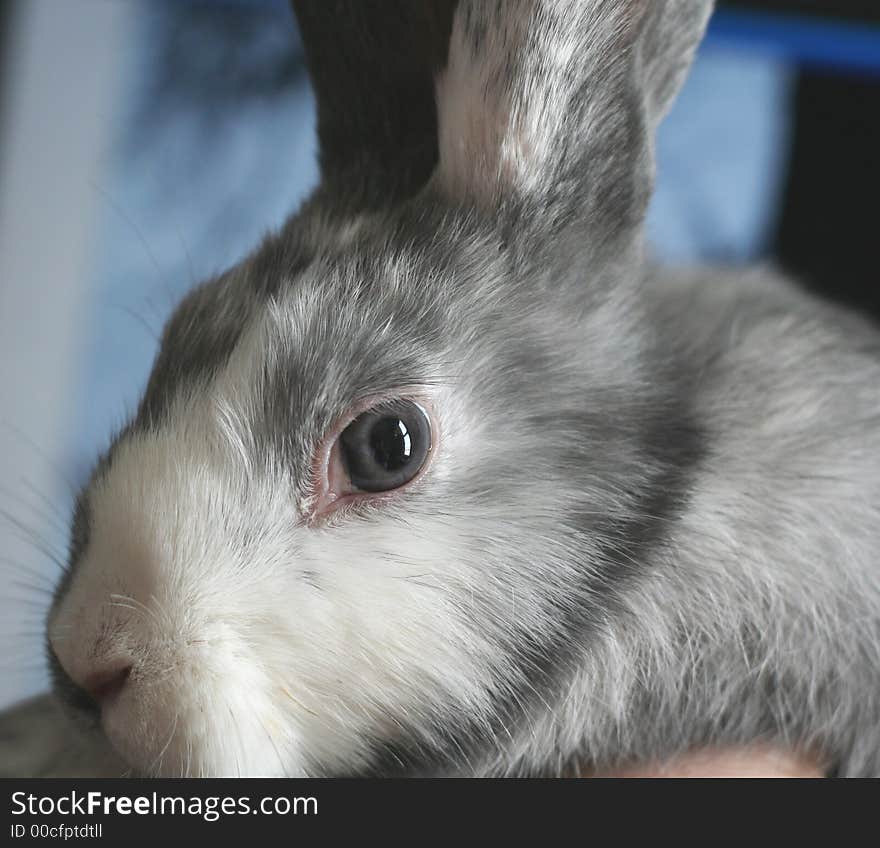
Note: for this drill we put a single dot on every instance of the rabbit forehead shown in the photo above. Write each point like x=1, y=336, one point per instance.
x=309, y=337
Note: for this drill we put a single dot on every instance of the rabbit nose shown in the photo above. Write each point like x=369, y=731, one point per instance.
x=104, y=684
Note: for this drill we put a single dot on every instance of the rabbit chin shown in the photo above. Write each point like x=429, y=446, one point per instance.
x=201, y=725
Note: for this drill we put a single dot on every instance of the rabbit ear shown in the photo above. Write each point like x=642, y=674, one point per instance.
x=550, y=106
x=372, y=66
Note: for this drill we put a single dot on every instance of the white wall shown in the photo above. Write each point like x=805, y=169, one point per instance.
x=64, y=63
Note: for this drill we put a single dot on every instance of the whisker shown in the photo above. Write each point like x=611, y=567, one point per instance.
x=41, y=589
x=32, y=537
x=29, y=602
x=127, y=219
x=189, y=263
x=137, y=318
x=274, y=746
x=53, y=512
x=159, y=759
x=15, y=567
x=40, y=516
x=152, y=614
x=240, y=743
x=51, y=464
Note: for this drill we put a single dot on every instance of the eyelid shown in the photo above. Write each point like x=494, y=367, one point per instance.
x=318, y=504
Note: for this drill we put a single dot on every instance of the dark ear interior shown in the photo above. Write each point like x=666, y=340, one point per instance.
x=372, y=66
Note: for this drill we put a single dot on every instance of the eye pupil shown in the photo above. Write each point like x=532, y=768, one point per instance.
x=384, y=448
x=391, y=443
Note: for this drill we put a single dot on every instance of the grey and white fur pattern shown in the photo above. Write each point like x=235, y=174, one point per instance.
x=652, y=516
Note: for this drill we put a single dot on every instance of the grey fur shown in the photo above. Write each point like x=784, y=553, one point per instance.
x=695, y=456
x=37, y=740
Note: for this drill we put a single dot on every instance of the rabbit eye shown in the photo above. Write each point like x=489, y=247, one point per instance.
x=385, y=447
x=372, y=451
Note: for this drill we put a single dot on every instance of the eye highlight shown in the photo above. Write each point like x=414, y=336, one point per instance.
x=385, y=447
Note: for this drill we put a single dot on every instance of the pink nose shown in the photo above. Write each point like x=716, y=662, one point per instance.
x=105, y=684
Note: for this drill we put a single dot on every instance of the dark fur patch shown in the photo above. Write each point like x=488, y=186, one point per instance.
x=377, y=121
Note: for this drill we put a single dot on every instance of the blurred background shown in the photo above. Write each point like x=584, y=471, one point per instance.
x=145, y=144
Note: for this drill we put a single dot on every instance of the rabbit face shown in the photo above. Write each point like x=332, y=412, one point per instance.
x=262, y=631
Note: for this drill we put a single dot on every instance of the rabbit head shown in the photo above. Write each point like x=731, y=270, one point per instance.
x=392, y=472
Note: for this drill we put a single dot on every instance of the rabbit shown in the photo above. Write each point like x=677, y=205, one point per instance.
x=449, y=478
